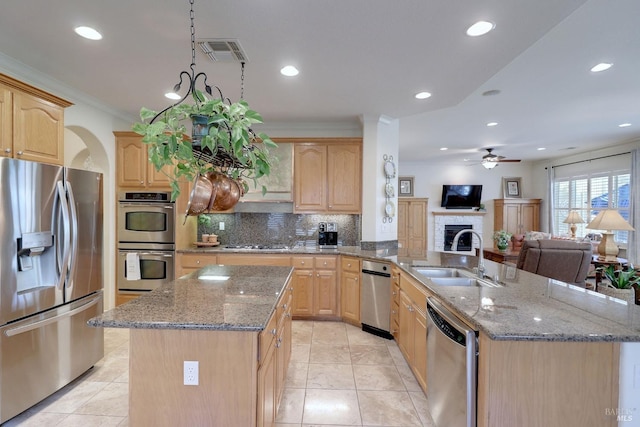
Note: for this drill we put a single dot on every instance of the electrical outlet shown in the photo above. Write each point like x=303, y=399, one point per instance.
x=221, y=225
x=190, y=372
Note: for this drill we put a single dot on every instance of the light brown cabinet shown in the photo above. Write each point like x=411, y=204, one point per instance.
x=328, y=177
x=188, y=263
x=517, y=216
x=412, y=227
x=133, y=169
x=350, y=290
x=315, y=286
x=395, y=301
x=412, y=327
x=31, y=123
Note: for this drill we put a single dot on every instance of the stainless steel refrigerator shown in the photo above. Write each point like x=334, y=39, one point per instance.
x=50, y=279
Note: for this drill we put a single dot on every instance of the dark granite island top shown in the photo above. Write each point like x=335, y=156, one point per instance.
x=201, y=301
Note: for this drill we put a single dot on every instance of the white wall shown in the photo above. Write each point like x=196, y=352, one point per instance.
x=429, y=178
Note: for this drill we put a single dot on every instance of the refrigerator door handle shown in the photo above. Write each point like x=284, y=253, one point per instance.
x=73, y=249
x=35, y=325
x=64, y=208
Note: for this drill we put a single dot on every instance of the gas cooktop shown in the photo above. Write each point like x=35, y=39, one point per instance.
x=259, y=247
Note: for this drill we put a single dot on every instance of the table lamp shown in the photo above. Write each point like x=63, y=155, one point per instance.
x=573, y=219
x=608, y=220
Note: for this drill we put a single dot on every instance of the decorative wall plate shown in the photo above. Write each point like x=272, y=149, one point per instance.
x=388, y=189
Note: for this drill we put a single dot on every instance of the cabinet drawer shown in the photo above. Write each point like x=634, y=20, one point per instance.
x=417, y=292
x=302, y=262
x=395, y=293
x=284, y=305
x=267, y=337
x=325, y=262
x=350, y=264
x=254, y=259
x=197, y=260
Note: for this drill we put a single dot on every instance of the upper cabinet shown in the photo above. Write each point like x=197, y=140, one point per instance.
x=133, y=169
x=31, y=123
x=328, y=176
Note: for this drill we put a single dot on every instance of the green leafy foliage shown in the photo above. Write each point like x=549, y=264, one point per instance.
x=619, y=278
x=230, y=132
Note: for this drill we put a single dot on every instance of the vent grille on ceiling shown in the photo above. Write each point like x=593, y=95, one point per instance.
x=223, y=50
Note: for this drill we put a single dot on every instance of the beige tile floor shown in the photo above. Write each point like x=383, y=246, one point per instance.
x=339, y=376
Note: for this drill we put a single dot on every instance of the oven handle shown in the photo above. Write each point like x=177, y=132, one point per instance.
x=126, y=205
x=163, y=254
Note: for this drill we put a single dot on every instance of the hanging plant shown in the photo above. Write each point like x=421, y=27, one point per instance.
x=229, y=145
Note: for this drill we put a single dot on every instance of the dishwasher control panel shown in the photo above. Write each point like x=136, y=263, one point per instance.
x=446, y=327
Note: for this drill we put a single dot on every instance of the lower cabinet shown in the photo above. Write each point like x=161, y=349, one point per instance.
x=412, y=327
x=315, y=287
x=274, y=357
x=350, y=290
x=188, y=263
x=395, y=301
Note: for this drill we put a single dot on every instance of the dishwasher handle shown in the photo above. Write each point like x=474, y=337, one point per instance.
x=448, y=324
x=375, y=273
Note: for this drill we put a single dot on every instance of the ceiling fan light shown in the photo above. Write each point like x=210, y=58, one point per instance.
x=489, y=164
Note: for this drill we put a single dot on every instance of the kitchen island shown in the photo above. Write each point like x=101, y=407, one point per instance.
x=234, y=321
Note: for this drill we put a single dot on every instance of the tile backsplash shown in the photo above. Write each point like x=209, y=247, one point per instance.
x=277, y=228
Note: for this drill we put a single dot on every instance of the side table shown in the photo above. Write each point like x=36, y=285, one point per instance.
x=494, y=254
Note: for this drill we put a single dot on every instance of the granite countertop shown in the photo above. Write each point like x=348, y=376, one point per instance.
x=524, y=307
x=244, y=302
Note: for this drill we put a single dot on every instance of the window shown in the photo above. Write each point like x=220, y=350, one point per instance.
x=589, y=190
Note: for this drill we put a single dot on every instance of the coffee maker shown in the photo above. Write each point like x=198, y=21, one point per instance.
x=328, y=235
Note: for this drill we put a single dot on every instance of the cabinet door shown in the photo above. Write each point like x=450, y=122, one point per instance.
x=6, y=125
x=131, y=162
x=420, y=347
x=512, y=219
x=529, y=218
x=325, y=293
x=344, y=178
x=38, y=130
x=350, y=297
x=267, y=389
x=406, y=323
x=417, y=231
x=156, y=179
x=310, y=178
x=302, y=293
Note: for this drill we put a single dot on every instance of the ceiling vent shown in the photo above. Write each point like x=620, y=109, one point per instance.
x=223, y=50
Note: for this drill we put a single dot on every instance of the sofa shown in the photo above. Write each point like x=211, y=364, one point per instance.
x=564, y=260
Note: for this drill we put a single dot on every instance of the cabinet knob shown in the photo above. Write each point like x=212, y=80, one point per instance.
x=317, y=274
x=356, y=279
x=302, y=262
x=325, y=263
x=273, y=331
x=394, y=293
x=141, y=182
x=349, y=265
x=20, y=153
x=284, y=306
x=310, y=274
x=277, y=345
x=198, y=262
x=7, y=150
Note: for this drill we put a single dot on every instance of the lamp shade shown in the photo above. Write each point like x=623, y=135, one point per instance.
x=609, y=219
x=573, y=218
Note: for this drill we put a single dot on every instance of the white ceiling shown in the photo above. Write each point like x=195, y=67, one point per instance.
x=365, y=57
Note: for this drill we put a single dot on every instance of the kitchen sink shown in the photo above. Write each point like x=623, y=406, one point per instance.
x=440, y=272
x=462, y=281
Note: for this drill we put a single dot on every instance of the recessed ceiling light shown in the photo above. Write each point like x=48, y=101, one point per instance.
x=172, y=95
x=541, y=148
x=289, y=71
x=443, y=148
x=88, y=33
x=492, y=124
x=423, y=95
x=624, y=125
x=601, y=67
x=480, y=28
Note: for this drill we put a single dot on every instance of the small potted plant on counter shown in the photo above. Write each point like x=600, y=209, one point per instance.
x=502, y=239
x=622, y=284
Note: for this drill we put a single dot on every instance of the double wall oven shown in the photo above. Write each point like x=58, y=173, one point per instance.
x=146, y=241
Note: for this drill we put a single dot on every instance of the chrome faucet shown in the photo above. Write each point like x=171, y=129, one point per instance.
x=454, y=246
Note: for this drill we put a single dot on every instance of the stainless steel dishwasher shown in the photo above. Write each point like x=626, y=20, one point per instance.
x=452, y=368
x=375, y=298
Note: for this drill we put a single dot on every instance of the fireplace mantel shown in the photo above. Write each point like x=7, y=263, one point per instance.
x=458, y=213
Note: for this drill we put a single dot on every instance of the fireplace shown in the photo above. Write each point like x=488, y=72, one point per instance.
x=465, y=241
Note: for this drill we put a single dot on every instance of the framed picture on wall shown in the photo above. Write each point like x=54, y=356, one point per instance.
x=405, y=184
x=512, y=188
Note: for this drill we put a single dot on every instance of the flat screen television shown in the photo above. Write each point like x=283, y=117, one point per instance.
x=461, y=196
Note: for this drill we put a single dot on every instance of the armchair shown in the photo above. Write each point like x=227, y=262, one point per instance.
x=563, y=260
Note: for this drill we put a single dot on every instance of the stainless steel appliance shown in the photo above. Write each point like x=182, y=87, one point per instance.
x=328, y=235
x=452, y=360
x=146, y=241
x=375, y=298
x=51, y=279
x=145, y=217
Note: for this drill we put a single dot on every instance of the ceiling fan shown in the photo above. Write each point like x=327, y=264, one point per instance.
x=490, y=160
